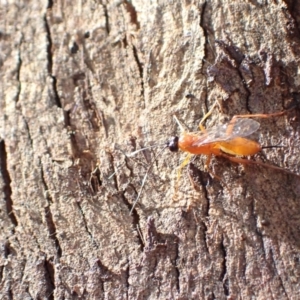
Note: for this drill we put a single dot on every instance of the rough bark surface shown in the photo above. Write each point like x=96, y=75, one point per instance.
x=83, y=83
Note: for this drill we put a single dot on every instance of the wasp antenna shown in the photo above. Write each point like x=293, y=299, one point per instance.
x=140, y=192
x=131, y=155
x=142, y=149
x=112, y=175
x=144, y=180
x=273, y=146
x=208, y=114
x=179, y=124
x=206, y=59
x=115, y=172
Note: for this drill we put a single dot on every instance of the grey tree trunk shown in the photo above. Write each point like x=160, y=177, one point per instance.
x=83, y=83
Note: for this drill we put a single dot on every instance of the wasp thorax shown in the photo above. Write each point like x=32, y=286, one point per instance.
x=173, y=144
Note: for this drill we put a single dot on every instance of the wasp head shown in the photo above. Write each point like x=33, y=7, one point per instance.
x=172, y=144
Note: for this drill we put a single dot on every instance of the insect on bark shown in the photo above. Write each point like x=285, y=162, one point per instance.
x=228, y=140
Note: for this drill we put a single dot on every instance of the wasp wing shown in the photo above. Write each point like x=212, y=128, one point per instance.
x=240, y=127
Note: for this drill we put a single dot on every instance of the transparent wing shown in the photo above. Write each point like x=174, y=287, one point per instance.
x=240, y=127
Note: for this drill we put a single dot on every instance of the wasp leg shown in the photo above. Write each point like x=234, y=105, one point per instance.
x=253, y=162
x=208, y=169
x=179, y=124
x=202, y=128
x=263, y=116
x=207, y=163
x=183, y=164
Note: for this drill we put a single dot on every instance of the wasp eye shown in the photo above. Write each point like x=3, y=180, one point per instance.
x=173, y=144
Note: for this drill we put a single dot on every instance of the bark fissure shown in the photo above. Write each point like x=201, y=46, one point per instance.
x=35, y=238
x=28, y=131
x=23, y=270
x=127, y=276
x=205, y=238
x=276, y=271
x=50, y=62
x=213, y=296
x=204, y=185
x=49, y=217
x=134, y=214
x=234, y=54
x=102, y=119
x=107, y=26
x=114, y=171
x=74, y=147
x=132, y=12
x=223, y=275
x=7, y=184
x=104, y=275
x=7, y=249
x=19, y=66
x=248, y=92
x=52, y=230
x=202, y=25
x=256, y=227
x=50, y=278
x=202, y=179
x=129, y=167
x=259, y=234
x=95, y=180
x=177, y=270
x=50, y=4
x=135, y=221
x=10, y=293
x=141, y=71
x=86, y=225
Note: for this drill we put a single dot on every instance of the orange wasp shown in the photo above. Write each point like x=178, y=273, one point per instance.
x=226, y=140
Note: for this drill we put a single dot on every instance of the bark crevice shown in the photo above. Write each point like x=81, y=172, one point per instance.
x=19, y=66
x=7, y=184
x=223, y=276
x=86, y=225
x=50, y=62
x=50, y=276
x=141, y=71
x=49, y=217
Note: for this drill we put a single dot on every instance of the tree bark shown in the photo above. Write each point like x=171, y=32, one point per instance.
x=84, y=84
